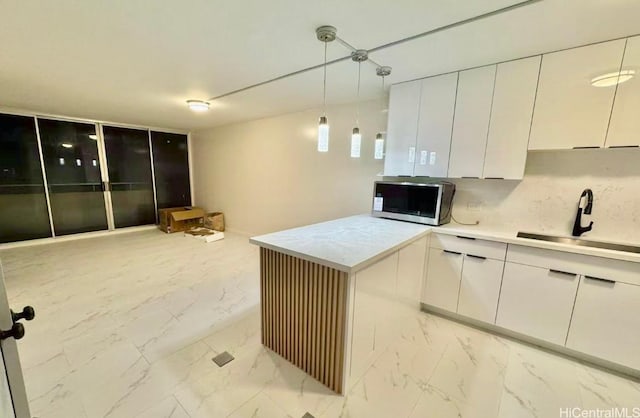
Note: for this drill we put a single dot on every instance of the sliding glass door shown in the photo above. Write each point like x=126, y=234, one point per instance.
x=72, y=166
x=130, y=177
x=23, y=203
x=171, y=167
x=61, y=177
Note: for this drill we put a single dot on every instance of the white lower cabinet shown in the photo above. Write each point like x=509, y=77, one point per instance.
x=588, y=304
x=443, y=279
x=606, y=321
x=374, y=289
x=480, y=288
x=411, y=260
x=537, y=301
x=387, y=296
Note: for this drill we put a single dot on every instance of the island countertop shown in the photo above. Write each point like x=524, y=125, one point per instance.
x=353, y=243
x=346, y=244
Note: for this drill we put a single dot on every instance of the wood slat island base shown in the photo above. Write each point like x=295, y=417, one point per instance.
x=304, y=312
x=335, y=295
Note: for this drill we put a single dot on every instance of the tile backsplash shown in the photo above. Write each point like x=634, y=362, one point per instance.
x=546, y=199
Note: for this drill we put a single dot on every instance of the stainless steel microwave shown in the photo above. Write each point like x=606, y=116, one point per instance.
x=425, y=203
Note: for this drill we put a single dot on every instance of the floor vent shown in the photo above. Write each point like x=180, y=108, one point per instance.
x=222, y=358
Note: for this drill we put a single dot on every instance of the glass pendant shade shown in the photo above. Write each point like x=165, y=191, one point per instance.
x=378, y=152
x=356, y=140
x=323, y=135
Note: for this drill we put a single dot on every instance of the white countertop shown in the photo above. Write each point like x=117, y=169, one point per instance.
x=346, y=244
x=512, y=238
x=353, y=243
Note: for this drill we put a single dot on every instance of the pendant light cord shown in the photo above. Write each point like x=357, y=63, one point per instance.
x=383, y=95
x=324, y=83
x=358, y=97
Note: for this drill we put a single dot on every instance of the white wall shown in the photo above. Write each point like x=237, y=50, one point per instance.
x=546, y=200
x=267, y=175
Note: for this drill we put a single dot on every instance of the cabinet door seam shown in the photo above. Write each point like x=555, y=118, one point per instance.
x=615, y=94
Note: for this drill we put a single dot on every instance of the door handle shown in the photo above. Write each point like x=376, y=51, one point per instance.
x=599, y=279
x=28, y=313
x=451, y=252
x=16, y=331
x=566, y=273
x=469, y=238
x=476, y=256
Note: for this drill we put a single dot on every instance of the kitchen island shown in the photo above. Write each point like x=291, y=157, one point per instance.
x=334, y=294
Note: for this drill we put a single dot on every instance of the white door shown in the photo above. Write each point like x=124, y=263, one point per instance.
x=536, y=301
x=437, y=104
x=411, y=261
x=570, y=112
x=443, y=279
x=480, y=287
x=402, y=128
x=471, y=121
x=625, y=123
x=511, y=112
x=13, y=396
x=605, y=321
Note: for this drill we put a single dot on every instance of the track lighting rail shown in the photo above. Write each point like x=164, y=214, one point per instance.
x=385, y=46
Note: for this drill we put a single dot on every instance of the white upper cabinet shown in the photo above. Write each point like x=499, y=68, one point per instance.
x=437, y=104
x=513, y=98
x=569, y=111
x=471, y=121
x=624, y=129
x=402, y=129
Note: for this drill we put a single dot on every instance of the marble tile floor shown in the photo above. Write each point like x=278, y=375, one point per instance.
x=127, y=325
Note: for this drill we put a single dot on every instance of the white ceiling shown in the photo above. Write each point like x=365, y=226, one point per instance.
x=138, y=61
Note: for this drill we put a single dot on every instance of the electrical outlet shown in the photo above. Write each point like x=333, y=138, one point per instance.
x=474, y=206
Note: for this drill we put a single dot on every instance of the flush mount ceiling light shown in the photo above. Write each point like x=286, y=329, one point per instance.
x=324, y=34
x=66, y=145
x=611, y=79
x=198, y=105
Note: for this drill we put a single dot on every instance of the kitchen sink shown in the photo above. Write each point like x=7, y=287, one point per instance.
x=581, y=242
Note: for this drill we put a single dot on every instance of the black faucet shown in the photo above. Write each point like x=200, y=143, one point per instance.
x=578, y=229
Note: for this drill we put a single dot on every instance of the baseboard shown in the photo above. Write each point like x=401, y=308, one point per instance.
x=73, y=237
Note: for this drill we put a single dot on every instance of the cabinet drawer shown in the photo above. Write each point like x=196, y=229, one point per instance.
x=605, y=268
x=461, y=244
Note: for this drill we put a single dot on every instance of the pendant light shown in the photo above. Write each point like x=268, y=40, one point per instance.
x=324, y=34
x=378, y=151
x=358, y=56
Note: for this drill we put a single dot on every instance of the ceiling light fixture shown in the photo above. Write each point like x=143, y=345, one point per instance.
x=198, y=105
x=324, y=34
x=66, y=145
x=93, y=136
x=611, y=79
x=378, y=150
x=359, y=56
